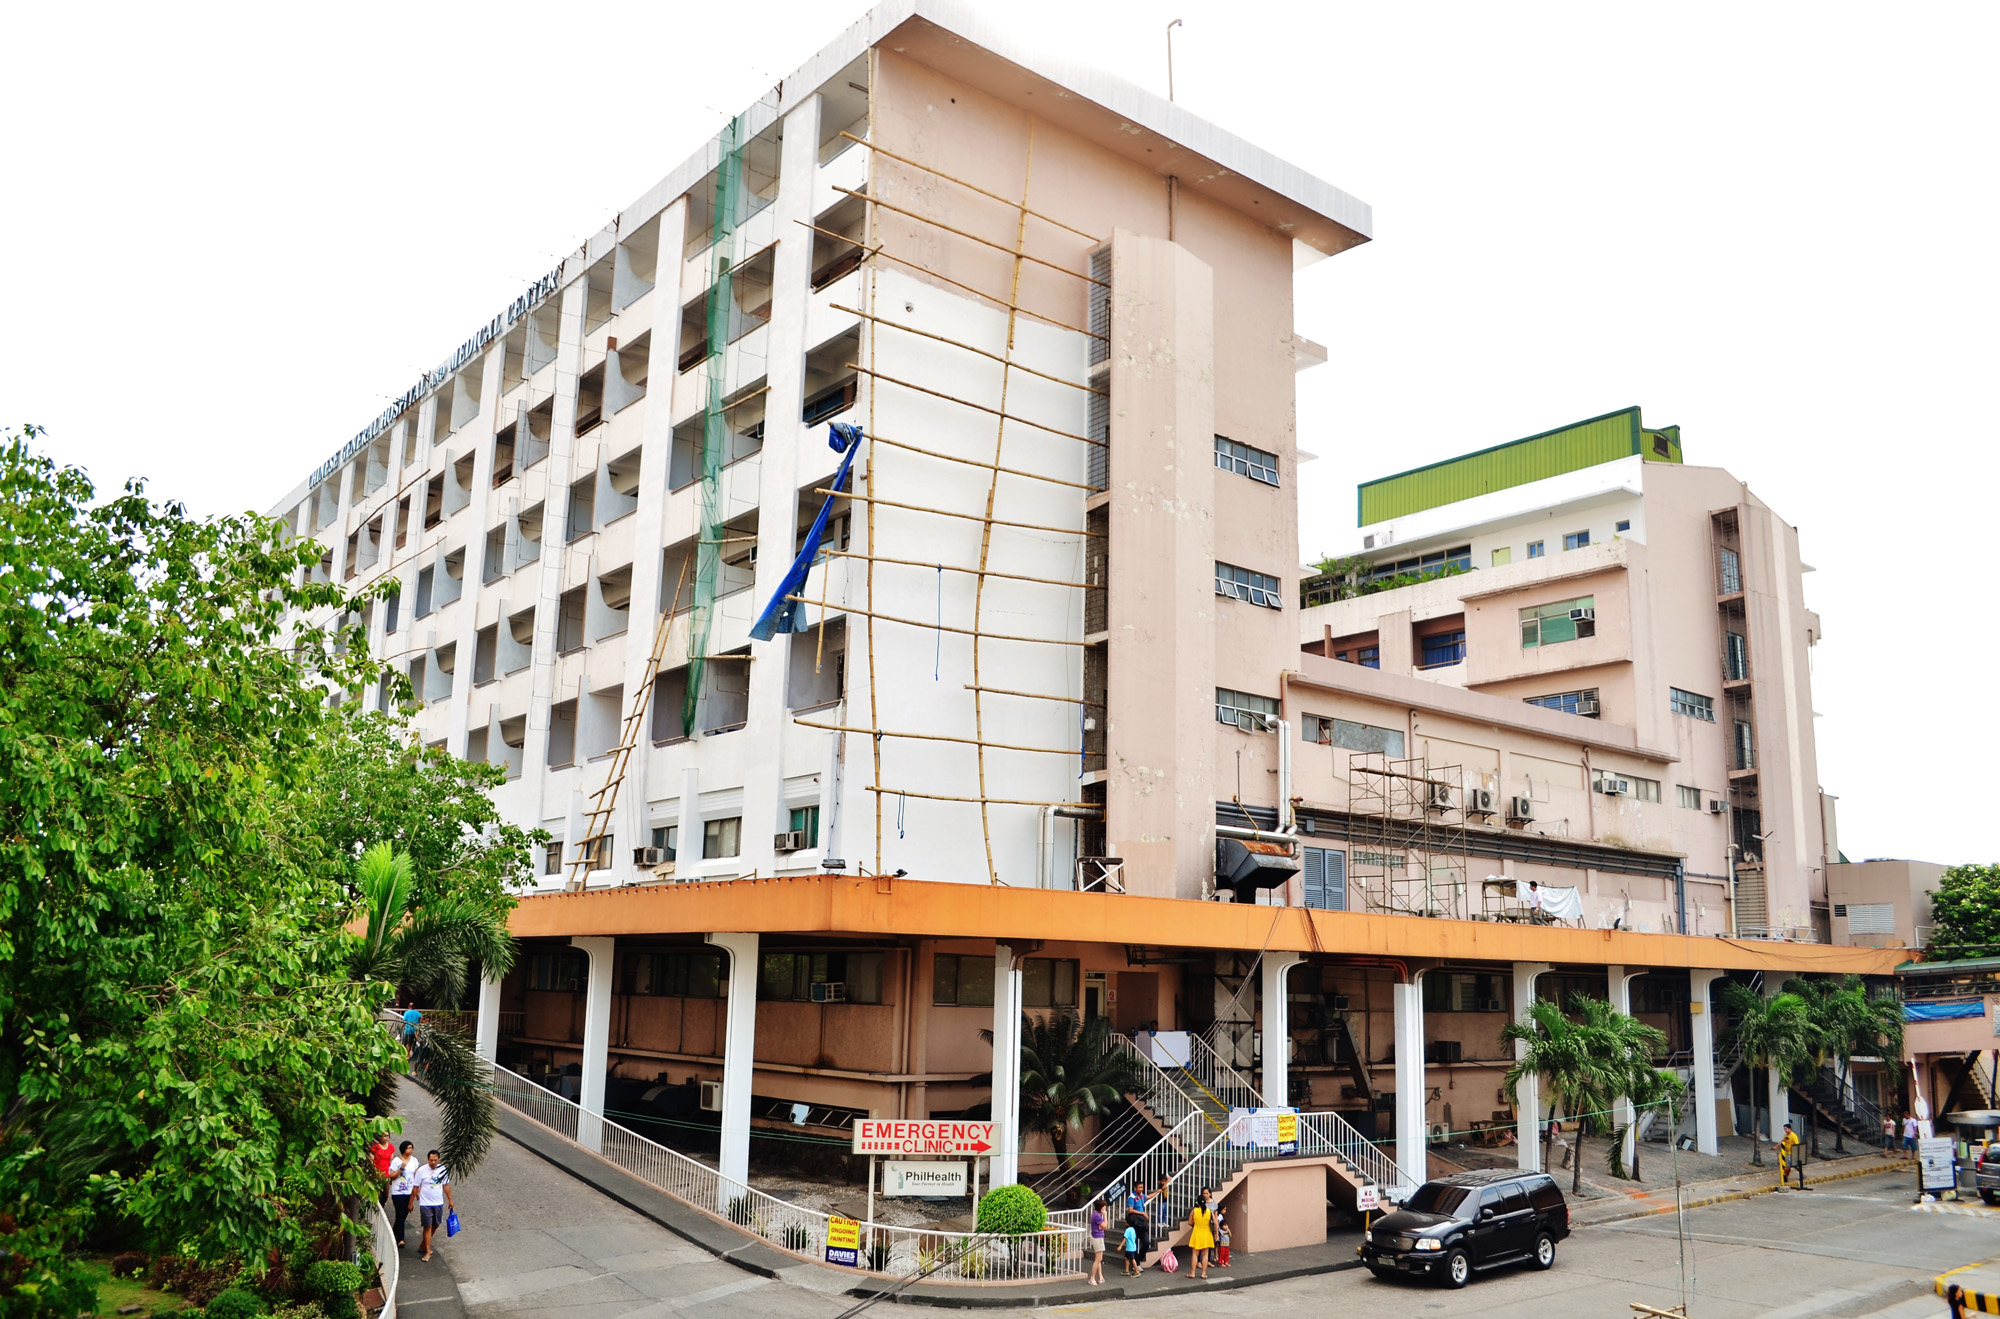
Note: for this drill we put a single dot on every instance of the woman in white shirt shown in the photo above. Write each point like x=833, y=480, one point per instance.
x=401, y=1169
x=433, y=1186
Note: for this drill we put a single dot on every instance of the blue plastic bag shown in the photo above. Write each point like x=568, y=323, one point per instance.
x=451, y=1224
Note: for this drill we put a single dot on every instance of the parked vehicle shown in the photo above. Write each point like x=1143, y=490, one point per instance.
x=1469, y=1221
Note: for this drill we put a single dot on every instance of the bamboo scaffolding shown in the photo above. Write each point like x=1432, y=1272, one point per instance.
x=973, y=238
x=868, y=474
x=952, y=567
x=974, y=462
x=949, y=513
x=996, y=357
x=935, y=737
x=1036, y=696
x=930, y=626
x=968, y=403
x=991, y=801
x=932, y=169
x=947, y=279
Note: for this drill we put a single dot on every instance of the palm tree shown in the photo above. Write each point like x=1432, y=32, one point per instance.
x=1068, y=1074
x=1654, y=1087
x=1628, y=1046
x=1824, y=1030
x=425, y=951
x=1573, y=1058
x=1775, y=1033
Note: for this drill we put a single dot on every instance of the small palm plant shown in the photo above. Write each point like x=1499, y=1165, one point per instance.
x=1069, y=1075
x=425, y=950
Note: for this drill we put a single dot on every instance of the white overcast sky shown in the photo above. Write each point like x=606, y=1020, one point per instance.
x=231, y=235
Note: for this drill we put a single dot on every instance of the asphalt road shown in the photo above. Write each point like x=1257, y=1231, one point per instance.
x=1855, y=1249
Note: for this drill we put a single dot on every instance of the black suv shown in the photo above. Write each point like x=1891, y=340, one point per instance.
x=1470, y=1220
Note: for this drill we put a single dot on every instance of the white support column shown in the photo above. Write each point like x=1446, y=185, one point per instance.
x=1277, y=1029
x=486, y=1042
x=1701, y=1014
x=1778, y=1101
x=739, y=1061
x=596, y=1039
x=1619, y=981
x=1006, y=1162
x=1528, y=1095
x=1411, y=1089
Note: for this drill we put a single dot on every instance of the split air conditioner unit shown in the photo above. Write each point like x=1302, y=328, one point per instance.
x=1439, y=797
x=647, y=858
x=711, y=1096
x=1521, y=808
x=1479, y=801
x=789, y=840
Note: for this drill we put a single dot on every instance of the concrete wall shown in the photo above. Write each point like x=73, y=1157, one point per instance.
x=1905, y=886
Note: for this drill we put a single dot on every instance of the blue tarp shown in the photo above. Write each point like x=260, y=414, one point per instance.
x=1944, y=1011
x=784, y=614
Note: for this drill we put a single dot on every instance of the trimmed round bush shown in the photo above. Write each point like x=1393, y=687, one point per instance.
x=235, y=1303
x=331, y=1283
x=1012, y=1211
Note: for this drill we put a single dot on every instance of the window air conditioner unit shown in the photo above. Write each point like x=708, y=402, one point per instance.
x=1716, y=807
x=711, y=1096
x=1337, y=1002
x=1520, y=808
x=1439, y=796
x=789, y=840
x=1611, y=787
x=646, y=858
x=1479, y=801
x=1489, y=1005
x=1583, y=615
x=829, y=991
x=1587, y=706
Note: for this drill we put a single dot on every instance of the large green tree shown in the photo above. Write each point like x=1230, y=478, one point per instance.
x=1626, y=1046
x=1965, y=913
x=1582, y=1068
x=186, y=1051
x=1776, y=1034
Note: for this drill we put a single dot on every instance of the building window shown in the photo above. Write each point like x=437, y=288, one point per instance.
x=1690, y=798
x=1425, y=565
x=558, y=972
x=1729, y=573
x=1735, y=657
x=1641, y=789
x=669, y=837
x=1624, y=525
x=1583, y=702
x=1048, y=982
x=805, y=820
x=1441, y=648
x=1254, y=587
x=1746, y=750
x=393, y=612
x=1534, y=549
x=1325, y=879
x=965, y=982
x=790, y=977
x=1252, y=714
x=1503, y=556
x=1369, y=657
x=675, y=975
x=1691, y=705
x=1246, y=461
x=1322, y=731
x=1576, y=540
x=1565, y=620
x=1458, y=991
x=721, y=838
x=552, y=859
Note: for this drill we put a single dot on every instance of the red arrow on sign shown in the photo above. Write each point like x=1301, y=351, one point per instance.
x=980, y=1148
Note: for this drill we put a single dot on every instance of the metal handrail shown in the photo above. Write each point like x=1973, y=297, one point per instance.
x=1330, y=1133
x=950, y=1257
x=1218, y=1079
x=389, y=1261
x=1162, y=1095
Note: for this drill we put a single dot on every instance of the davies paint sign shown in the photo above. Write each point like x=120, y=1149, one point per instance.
x=888, y=1136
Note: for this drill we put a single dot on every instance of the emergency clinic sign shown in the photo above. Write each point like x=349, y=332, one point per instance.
x=887, y=1136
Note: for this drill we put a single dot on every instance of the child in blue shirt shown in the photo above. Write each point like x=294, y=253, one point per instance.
x=1132, y=1251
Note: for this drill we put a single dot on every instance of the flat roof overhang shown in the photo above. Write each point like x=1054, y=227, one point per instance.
x=880, y=905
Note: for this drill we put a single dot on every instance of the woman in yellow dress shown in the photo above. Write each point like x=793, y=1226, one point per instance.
x=1201, y=1237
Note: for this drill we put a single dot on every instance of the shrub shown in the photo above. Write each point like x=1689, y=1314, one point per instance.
x=798, y=1237
x=332, y=1284
x=878, y=1256
x=128, y=1264
x=1012, y=1211
x=236, y=1303
x=740, y=1212
x=200, y=1283
x=307, y=1310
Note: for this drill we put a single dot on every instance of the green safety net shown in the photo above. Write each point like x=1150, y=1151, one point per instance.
x=727, y=210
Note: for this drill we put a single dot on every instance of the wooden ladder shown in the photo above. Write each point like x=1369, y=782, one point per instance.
x=597, y=822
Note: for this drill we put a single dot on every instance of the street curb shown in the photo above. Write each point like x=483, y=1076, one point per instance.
x=1745, y=1193
x=1073, y=1294
x=1979, y=1301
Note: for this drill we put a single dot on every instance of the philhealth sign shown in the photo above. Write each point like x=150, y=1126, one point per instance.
x=888, y=1136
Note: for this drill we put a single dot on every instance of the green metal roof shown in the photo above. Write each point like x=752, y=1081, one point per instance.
x=1568, y=448
x=1965, y=967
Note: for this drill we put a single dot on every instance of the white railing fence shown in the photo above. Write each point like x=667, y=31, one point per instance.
x=953, y=1257
x=389, y=1260
x=1218, y=1078
x=1321, y=1134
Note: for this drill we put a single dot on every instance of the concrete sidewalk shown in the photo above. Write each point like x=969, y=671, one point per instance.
x=1981, y=1283
x=1660, y=1200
